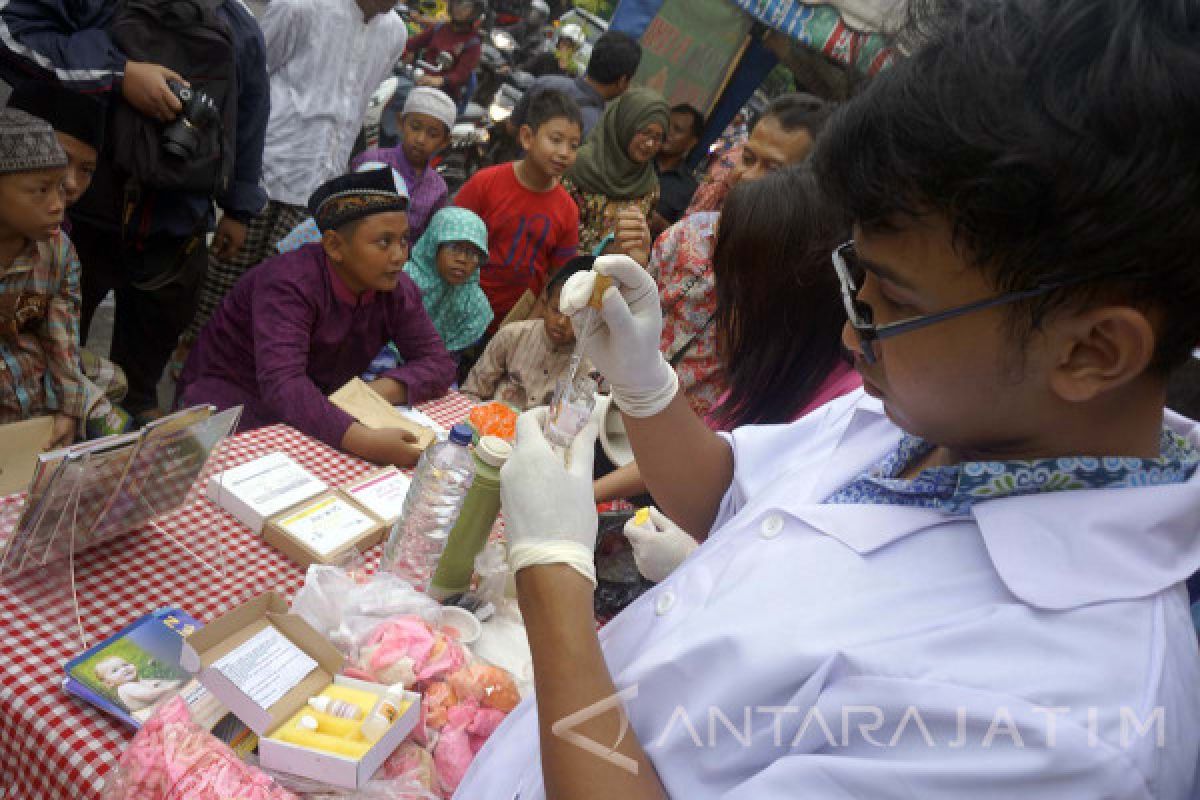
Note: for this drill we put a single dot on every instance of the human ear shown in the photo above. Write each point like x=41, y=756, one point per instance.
x=335, y=247
x=1099, y=351
x=525, y=135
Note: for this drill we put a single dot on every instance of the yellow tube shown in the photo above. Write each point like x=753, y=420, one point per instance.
x=335, y=726
x=316, y=740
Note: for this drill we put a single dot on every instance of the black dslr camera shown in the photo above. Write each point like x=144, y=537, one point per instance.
x=182, y=137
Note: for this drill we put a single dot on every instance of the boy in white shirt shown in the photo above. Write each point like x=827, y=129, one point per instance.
x=967, y=582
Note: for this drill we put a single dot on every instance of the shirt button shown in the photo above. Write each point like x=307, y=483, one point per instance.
x=664, y=603
x=771, y=526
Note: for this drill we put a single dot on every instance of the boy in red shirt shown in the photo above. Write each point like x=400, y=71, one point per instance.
x=533, y=225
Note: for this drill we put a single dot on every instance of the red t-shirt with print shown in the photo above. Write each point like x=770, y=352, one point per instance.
x=530, y=234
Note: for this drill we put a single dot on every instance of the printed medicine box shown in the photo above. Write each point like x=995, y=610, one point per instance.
x=264, y=664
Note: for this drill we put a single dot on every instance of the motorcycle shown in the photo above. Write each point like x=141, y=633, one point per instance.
x=495, y=64
x=482, y=138
x=460, y=160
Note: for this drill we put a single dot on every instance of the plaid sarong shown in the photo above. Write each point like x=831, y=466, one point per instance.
x=262, y=232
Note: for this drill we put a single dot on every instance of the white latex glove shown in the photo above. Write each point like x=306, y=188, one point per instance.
x=623, y=342
x=549, y=510
x=659, y=545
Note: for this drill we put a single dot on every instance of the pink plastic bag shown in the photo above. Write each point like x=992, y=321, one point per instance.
x=172, y=758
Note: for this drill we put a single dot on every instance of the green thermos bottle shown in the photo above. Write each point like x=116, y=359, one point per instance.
x=470, y=533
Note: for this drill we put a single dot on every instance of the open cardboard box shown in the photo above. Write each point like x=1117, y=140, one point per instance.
x=313, y=532
x=227, y=632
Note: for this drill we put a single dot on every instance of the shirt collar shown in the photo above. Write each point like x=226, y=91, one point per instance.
x=407, y=170
x=26, y=260
x=1058, y=550
x=1067, y=549
x=344, y=293
x=956, y=488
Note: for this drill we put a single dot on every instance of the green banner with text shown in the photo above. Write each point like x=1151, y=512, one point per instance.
x=690, y=49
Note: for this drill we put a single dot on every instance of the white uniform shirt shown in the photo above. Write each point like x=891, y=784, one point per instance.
x=1037, y=648
x=324, y=64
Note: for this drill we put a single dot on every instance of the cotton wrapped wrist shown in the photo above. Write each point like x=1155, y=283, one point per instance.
x=647, y=403
x=573, y=554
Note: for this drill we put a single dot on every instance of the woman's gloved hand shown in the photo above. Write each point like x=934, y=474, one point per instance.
x=549, y=513
x=659, y=545
x=624, y=348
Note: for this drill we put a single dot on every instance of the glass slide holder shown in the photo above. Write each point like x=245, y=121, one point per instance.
x=40, y=562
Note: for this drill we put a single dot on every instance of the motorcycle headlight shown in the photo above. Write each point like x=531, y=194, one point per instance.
x=499, y=113
x=503, y=41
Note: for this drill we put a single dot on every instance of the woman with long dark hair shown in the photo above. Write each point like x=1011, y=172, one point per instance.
x=779, y=315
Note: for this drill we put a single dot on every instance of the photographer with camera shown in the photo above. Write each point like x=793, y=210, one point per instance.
x=174, y=146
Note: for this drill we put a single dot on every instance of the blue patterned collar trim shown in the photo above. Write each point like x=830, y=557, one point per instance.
x=955, y=489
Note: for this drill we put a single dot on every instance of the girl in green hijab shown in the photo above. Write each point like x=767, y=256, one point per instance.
x=615, y=166
x=445, y=266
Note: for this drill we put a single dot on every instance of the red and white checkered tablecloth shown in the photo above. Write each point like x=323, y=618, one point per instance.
x=52, y=745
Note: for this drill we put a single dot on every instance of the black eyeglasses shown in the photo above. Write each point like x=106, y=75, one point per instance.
x=465, y=250
x=851, y=274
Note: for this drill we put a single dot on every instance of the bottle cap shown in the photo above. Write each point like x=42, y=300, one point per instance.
x=461, y=434
x=309, y=723
x=493, y=450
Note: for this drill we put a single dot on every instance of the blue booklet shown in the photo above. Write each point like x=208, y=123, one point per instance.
x=137, y=669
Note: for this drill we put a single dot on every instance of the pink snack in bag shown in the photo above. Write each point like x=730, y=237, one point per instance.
x=172, y=758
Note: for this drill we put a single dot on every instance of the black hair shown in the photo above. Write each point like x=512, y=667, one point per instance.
x=1058, y=140
x=779, y=312
x=550, y=104
x=1183, y=390
x=615, y=55
x=696, y=114
x=573, y=265
x=798, y=110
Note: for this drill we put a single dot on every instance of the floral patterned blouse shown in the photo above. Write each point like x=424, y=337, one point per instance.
x=598, y=213
x=954, y=489
x=717, y=184
x=681, y=263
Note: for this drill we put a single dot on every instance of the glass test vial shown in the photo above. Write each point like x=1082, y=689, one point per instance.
x=570, y=409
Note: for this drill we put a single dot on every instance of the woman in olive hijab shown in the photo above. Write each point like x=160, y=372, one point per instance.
x=615, y=166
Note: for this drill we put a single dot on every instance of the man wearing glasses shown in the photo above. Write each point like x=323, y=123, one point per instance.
x=968, y=580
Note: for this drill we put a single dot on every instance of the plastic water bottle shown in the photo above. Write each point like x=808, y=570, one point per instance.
x=474, y=525
x=431, y=508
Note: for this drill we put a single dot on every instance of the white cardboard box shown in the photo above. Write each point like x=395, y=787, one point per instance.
x=226, y=633
x=262, y=488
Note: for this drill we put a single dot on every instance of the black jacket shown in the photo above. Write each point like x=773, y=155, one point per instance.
x=67, y=41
